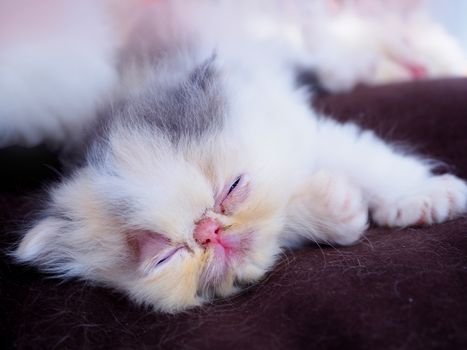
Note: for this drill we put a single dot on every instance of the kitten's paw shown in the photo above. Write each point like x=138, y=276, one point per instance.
x=439, y=199
x=343, y=213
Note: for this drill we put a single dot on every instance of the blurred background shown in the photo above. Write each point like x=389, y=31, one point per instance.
x=453, y=15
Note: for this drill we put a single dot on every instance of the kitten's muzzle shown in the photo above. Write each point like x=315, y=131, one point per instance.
x=208, y=231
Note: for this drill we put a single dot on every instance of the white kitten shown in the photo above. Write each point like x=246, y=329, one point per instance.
x=214, y=163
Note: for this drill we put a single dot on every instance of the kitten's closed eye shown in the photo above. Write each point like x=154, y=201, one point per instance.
x=146, y=244
x=152, y=250
x=236, y=182
x=232, y=195
x=160, y=260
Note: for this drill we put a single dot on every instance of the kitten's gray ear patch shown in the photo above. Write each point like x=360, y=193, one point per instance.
x=37, y=240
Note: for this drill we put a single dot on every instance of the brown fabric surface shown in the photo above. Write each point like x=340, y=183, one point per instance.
x=398, y=289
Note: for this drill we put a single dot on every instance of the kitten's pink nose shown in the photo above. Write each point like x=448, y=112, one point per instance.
x=207, y=231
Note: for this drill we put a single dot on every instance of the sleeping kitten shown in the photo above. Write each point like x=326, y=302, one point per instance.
x=191, y=187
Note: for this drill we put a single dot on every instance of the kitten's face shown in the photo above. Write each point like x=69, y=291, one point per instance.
x=172, y=226
x=197, y=222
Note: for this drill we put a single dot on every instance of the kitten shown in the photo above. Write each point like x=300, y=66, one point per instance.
x=191, y=187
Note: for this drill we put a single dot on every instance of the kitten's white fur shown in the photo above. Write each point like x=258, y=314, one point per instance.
x=309, y=177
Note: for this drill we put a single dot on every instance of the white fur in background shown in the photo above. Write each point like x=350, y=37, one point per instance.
x=453, y=16
x=57, y=66
x=61, y=61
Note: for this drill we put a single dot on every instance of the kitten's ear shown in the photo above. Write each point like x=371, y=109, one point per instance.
x=39, y=239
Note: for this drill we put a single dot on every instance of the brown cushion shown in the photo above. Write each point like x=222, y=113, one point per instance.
x=398, y=289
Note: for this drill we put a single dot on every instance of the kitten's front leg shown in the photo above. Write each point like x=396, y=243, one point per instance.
x=330, y=209
x=401, y=189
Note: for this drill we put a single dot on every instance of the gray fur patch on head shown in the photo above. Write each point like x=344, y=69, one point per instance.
x=184, y=110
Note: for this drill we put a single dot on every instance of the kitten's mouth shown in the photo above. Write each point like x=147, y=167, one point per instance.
x=226, y=251
x=209, y=233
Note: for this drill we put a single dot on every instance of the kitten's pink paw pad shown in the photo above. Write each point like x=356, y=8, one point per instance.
x=342, y=204
x=441, y=198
